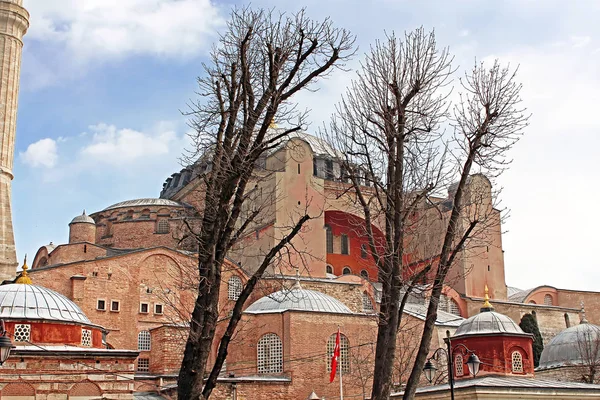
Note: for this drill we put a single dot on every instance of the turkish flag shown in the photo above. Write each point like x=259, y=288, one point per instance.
x=335, y=358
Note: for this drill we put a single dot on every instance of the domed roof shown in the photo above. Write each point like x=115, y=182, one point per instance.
x=20, y=301
x=297, y=299
x=566, y=347
x=488, y=322
x=83, y=218
x=145, y=202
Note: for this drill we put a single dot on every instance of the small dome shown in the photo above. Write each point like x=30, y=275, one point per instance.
x=145, y=202
x=19, y=301
x=488, y=322
x=297, y=299
x=83, y=218
x=565, y=348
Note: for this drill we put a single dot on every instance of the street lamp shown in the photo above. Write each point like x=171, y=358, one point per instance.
x=429, y=369
x=5, y=344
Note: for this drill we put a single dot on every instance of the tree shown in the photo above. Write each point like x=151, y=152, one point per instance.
x=529, y=325
x=396, y=158
x=588, y=346
x=260, y=62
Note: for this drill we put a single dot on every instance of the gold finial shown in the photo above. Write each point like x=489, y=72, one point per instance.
x=24, y=277
x=486, y=300
x=272, y=124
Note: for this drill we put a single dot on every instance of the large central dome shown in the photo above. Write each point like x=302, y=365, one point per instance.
x=22, y=301
x=297, y=299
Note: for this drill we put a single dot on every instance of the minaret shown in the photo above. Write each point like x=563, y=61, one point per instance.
x=14, y=21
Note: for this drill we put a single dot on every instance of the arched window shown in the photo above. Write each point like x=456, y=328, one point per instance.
x=345, y=244
x=234, y=287
x=144, y=341
x=162, y=226
x=366, y=302
x=18, y=390
x=269, y=354
x=517, y=362
x=329, y=239
x=443, y=303
x=458, y=365
x=363, y=251
x=548, y=300
x=532, y=302
x=85, y=390
x=344, y=361
x=364, y=274
x=329, y=269
x=567, y=320
x=453, y=307
x=346, y=271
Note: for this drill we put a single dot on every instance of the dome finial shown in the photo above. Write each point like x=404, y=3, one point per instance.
x=83, y=212
x=486, y=301
x=582, y=318
x=24, y=277
x=272, y=124
x=297, y=284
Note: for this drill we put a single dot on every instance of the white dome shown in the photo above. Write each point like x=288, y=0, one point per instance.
x=566, y=347
x=22, y=301
x=488, y=322
x=83, y=218
x=297, y=299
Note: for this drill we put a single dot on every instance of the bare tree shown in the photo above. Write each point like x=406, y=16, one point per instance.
x=260, y=62
x=588, y=345
x=395, y=157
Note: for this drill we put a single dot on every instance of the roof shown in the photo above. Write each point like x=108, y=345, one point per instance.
x=83, y=218
x=509, y=383
x=511, y=290
x=145, y=202
x=297, y=299
x=147, y=396
x=20, y=301
x=567, y=347
x=488, y=322
x=521, y=296
x=443, y=318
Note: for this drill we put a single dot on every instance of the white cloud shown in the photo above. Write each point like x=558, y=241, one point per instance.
x=580, y=41
x=125, y=146
x=42, y=153
x=97, y=29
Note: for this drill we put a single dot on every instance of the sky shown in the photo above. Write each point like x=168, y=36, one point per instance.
x=104, y=84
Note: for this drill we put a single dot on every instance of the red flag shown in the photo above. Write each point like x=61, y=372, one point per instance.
x=335, y=358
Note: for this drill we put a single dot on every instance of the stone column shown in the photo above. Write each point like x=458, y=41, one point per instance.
x=14, y=21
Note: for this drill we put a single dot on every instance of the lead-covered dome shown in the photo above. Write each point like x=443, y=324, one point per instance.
x=20, y=301
x=488, y=322
x=566, y=348
x=83, y=218
x=298, y=299
x=145, y=202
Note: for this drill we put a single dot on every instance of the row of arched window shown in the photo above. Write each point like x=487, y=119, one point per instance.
x=547, y=300
x=347, y=271
x=516, y=363
x=269, y=354
x=344, y=242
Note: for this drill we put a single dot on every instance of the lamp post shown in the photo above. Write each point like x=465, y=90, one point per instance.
x=429, y=369
x=5, y=344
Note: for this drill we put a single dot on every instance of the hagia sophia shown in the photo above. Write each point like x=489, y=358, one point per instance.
x=105, y=315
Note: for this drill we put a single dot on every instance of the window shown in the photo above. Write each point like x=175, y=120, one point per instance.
x=366, y=301
x=548, y=300
x=143, y=365
x=329, y=269
x=329, y=239
x=363, y=251
x=234, y=287
x=115, y=306
x=86, y=338
x=329, y=170
x=567, y=321
x=162, y=226
x=22, y=333
x=458, y=365
x=315, y=168
x=443, y=303
x=364, y=274
x=344, y=361
x=144, y=308
x=269, y=354
x=345, y=249
x=346, y=271
x=158, y=309
x=108, y=229
x=453, y=307
x=517, y=362
x=144, y=341
x=101, y=305
x=298, y=169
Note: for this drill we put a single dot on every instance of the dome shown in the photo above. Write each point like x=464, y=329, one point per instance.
x=565, y=348
x=488, y=322
x=145, y=202
x=297, y=299
x=83, y=218
x=19, y=301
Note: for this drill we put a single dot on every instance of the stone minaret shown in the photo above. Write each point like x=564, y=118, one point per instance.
x=14, y=21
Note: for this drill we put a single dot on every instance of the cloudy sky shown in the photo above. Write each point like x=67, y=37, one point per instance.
x=103, y=83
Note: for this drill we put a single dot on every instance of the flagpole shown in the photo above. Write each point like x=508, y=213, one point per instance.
x=341, y=367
